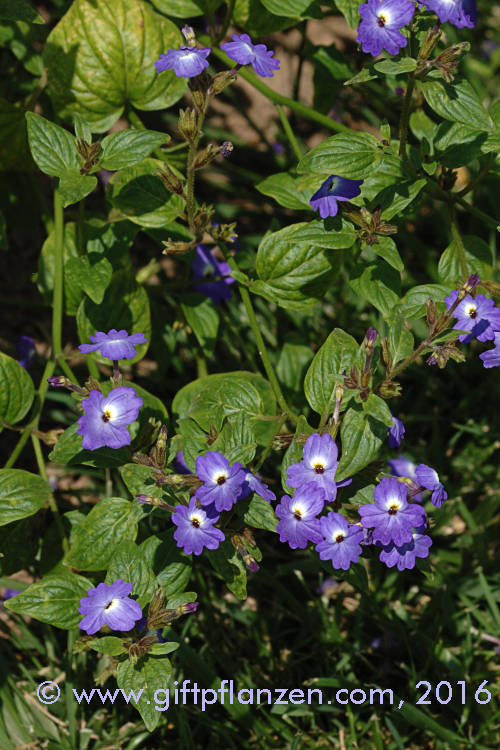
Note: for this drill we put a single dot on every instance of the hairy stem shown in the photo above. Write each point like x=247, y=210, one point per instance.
x=405, y=117
x=289, y=133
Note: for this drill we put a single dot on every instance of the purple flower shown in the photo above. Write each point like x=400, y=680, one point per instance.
x=298, y=523
x=405, y=555
x=195, y=528
x=396, y=433
x=491, y=358
x=391, y=516
x=244, y=51
x=341, y=540
x=180, y=465
x=9, y=593
x=106, y=418
x=109, y=605
x=186, y=62
x=114, y=344
x=25, y=348
x=460, y=13
x=428, y=478
x=254, y=484
x=334, y=189
x=475, y=314
x=222, y=482
x=215, y=274
x=318, y=466
x=380, y=24
x=404, y=467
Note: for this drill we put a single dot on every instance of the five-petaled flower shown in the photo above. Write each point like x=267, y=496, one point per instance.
x=105, y=420
x=478, y=315
x=114, y=344
x=211, y=276
x=195, y=528
x=334, y=189
x=460, y=13
x=109, y=605
x=243, y=51
x=428, y=478
x=222, y=483
x=381, y=21
x=186, y=62
x=405, y=467
x=298, y=524
x=318, y=466
x=404, y=556
x=341, y=540
x=391, y=516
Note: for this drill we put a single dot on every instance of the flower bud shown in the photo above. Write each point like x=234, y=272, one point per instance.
x=205, y=157
x=222, y=81
x=189, y=35
x=389, y=389
x=177, y=248
x=188, y=124
x=170, y=180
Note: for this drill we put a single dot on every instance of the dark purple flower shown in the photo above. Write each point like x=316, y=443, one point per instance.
x=318, y=466
x=114, y=344
x=186, y=62
x=106, y=418
x=252, y=483
x=243, y=51
x=404, y=467
x=9, y=593
x=25, y=348
x=109, y=605
x=428, y=478
x=222, y=483
x=380, y=24
x=405, y=555
x=396, y=433
x=391, y=516
x=491, y=358
x=478, y=314
x=180, y=465
x=332, y=190
x=341, y=540
x=195, y=528
x=215, y=274
x=298, y=524
x=460, y=13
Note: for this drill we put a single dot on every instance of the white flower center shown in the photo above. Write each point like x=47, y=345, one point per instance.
x=471, y=310
x=338, y=535
x=112, y=605
x=298, y=511
x=196, y=520
x=219, y=477
x=109, y=413
x=318, y=464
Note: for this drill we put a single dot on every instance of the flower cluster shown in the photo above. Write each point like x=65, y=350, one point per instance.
x=479, y=318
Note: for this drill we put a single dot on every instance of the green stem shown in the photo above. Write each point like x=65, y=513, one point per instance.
x=405, y=117
x=447, y=197
x=301, y=109
x=57, y=310
x=289, y=133
x=245, y=296
x=462, y=258
x=53, y=505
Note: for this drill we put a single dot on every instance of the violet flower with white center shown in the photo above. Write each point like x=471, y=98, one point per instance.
x=298, y=524
x=109, y=605
x=404, y=467
x=252, y=483
x=491, y=358
x=222, y=483
x=396, y=433
x=105, y=420
x=114, y=345
x=341, y=540
x=478, y=314
x=243, y=51
x=195, y=528
x=334, y=189
x=460, y=13
x=380, y=24
x=391, y=516
x=211, y=276
x=404, y=557
x=318, y=466
x=186, y=62
x=428, y=478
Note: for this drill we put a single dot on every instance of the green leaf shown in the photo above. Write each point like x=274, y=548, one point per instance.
x=46, y=267
x=162, y=649
x=260, y=514
x=257, y=20
x=292, y=362
x=350, y=10
x=125, y=305
x=98, y=81
x=361, y=437
x=400, y=339
x=337, y=354
x=285, y=191
x=386, y=249
x=19, y=10
x=287, y=8
x=395, y=198
x=99, y=537
x=457, y=102
x=396, y=67
x=54, y=600
x=140, y=195
x=478, y=256
x=108, y=644
x=186, y=8
x=376, y=407
x=74, y=186
x=367, y=73
x=53, y=148
x=353, y=155
x=68, y=450
x=378, y=283
x=127, y=147
x=171, y=566
x=130, y=564
x=202, y=317
x=237, y=440
x=422, y=126
x=294, y=266
x=231, y=567
x=21, y=494
x=16, y=390
x=91, y=273
x=138, y=480
x=149, y=674
x=413, y=303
